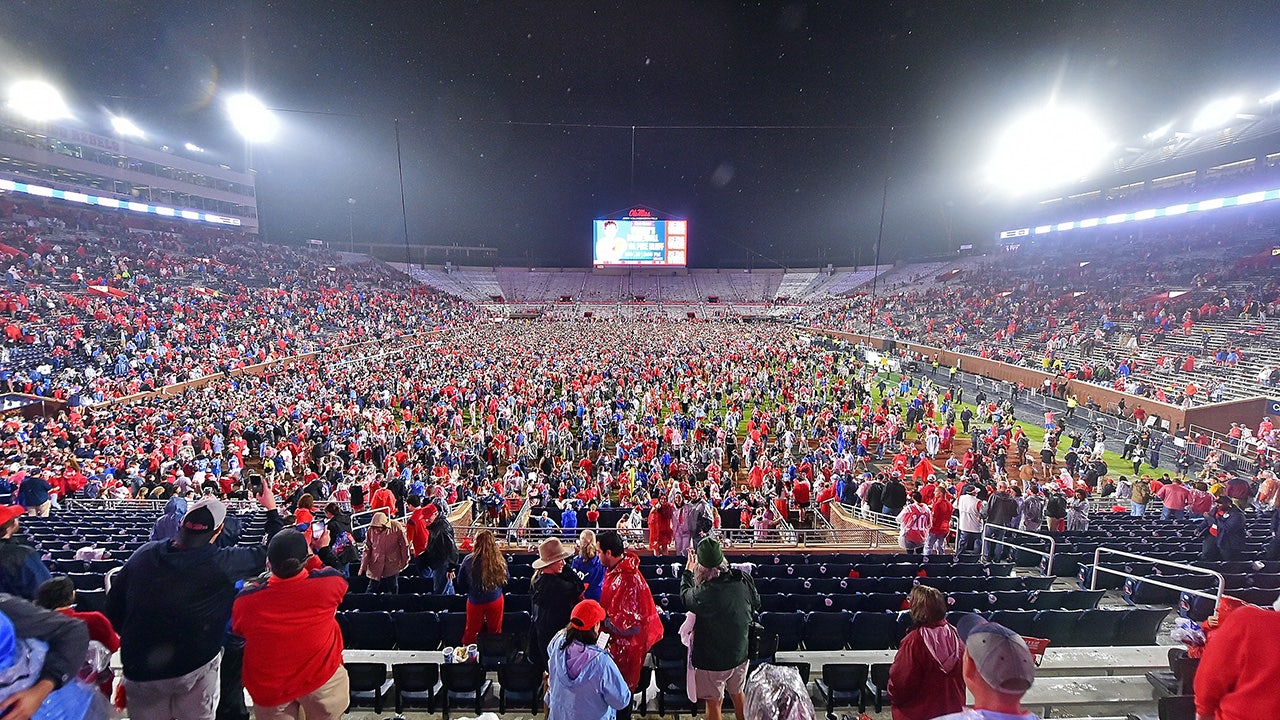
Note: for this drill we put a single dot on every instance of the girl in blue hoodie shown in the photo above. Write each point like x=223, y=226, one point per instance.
x=583, y=682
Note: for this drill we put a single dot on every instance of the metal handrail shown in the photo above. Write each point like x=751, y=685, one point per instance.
x=872, y=516
x=1097, y=567
x=78, y=503
x=519, y=525
x=731, y=537
x=1053, y=543
x=402, y=518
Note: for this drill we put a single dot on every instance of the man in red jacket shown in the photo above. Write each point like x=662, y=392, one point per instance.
x=383, y=499
x=635, y=626
x=418, y=527
x=292, y=644
x=1236, y=676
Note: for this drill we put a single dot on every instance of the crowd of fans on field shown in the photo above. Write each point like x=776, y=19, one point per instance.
x=683, y=427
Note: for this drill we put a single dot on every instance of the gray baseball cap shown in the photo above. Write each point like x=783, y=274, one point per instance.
x=1000, y=654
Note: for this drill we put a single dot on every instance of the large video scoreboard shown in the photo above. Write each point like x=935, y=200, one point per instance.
x=640, y=238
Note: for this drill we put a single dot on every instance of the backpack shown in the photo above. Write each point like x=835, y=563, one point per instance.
x=704, y=523
x=344, y=548
x=1056, y=507
x=1032, y=512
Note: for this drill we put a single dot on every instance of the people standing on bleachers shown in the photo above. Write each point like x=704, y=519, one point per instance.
x=724, y=602
x=940, y=512
x=1078, y=511
x=554, y=590
x=926, y=679
x=1200, y=502
x=1001, y=509
x=386, y=554
x=34, y=494
x=483, y=576
x=998, y=670
x=341, y=542
x=292, y=642
x=661, y=530
x=970, y=509
x=21, y=570
x=442, y=549
x=583, y=681
x=1174, y=497
x=587, y=564
x=634, y=624
x=171, y=668
x=1236, y=677
x=1055, y=509
x=679, y=527
x=166, y=526
x=416, y=531
x=1139, y=496
x=1225, y=537
x=914, y=523
x=1031, y=509
x=895, y=496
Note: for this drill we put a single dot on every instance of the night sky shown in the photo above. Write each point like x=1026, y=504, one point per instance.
x=765, y=124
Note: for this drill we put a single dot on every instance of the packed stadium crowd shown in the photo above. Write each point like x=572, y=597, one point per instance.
x=655, y=433
x=1168, y=316
x=98, y=307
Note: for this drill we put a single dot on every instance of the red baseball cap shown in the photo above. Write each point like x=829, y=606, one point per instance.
x=586, y=614
x=9, y=512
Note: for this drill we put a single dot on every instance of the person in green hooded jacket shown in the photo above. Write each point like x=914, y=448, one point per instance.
x=724, y=601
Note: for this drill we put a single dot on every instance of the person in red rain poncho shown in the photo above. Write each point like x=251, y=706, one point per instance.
x=634, y=625
x=661, y=532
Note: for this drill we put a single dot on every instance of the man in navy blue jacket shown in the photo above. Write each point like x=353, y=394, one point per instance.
x=171, y=603
x=21, y=570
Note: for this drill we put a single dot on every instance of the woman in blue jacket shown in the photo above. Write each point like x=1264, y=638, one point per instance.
x=583, y=682
x=588, y=564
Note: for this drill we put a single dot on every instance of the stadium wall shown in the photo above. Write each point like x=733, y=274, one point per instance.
x=258, y=369
x=1216, y=417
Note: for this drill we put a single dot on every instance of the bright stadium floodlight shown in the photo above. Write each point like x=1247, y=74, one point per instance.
x=1271, y=99
x=253, y=120
x=124, y=126
x=192, y=147
x=1046, y=148
x=1217, y=113
x=38, y=100
x=1159, y=133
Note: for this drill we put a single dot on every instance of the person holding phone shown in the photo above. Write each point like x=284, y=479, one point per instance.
x=292, y=642
x=172, y=668
x=583, y=681
x=725, y=602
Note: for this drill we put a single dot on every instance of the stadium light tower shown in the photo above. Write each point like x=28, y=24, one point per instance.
x=38, y=100
x=1217, y=113
x=1047, y=147
x=253, y=120
x=258, y=123
x=126, y=127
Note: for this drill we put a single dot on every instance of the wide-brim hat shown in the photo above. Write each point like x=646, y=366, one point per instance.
x=550, y=552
